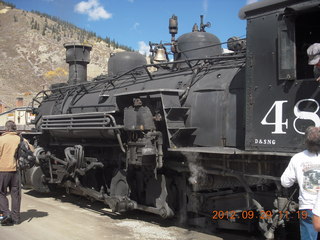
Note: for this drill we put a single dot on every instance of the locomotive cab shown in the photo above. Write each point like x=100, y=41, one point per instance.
x=297, y=27
x=281, y=91
x=307, y=29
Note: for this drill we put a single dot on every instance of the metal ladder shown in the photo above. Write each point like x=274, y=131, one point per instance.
x=174, y=114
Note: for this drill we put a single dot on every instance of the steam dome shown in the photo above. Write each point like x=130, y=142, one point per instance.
x=123, y=62
x=198, y=44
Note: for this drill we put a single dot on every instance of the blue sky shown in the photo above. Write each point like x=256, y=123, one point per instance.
x=136, y=22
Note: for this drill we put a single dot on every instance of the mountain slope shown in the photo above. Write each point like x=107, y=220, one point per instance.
x=32, y=56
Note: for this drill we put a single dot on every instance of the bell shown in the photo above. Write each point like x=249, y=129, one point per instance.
x=160, y=55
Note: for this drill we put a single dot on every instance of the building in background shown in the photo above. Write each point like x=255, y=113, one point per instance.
x=21, y=115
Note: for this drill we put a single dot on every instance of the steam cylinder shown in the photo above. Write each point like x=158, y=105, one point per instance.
x=77, y=56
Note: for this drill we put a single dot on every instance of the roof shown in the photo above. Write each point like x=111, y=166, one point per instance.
x=271, y=5
x=16, y=109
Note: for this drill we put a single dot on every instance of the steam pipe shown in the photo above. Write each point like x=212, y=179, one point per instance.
x=116, y=131
x=92, y=165
x=57, y=159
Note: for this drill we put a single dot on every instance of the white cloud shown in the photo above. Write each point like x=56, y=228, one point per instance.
x=135, y=26
x=144, y=48
x=251, y=1
x=93, y=9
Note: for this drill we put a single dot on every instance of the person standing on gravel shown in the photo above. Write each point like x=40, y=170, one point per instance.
x=9, y=175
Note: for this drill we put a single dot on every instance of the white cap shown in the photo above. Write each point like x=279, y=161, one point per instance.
x=314, y=53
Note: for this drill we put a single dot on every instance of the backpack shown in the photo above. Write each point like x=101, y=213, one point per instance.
x=24, y=155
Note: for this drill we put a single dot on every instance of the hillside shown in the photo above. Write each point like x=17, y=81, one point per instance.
x=32, y=56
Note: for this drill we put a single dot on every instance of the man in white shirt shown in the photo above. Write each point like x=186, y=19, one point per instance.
x=304, y=168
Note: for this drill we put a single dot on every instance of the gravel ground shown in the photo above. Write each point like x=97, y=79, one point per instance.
x=65, y=217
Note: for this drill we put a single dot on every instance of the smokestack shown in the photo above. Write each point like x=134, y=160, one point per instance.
x=19, y=102
x=77, y=56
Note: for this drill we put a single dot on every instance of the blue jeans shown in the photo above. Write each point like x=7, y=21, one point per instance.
x=307, y=231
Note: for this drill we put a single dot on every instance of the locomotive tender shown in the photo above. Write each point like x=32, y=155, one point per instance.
x=209, y=132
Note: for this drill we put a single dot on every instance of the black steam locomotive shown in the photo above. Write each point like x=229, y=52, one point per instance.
x=205, y=136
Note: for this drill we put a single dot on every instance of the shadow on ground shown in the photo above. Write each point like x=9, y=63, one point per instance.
x=31, y=214
x=102, y=209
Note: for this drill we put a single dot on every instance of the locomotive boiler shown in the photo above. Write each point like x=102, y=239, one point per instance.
x=204, y=137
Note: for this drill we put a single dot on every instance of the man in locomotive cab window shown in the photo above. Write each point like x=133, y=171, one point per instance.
x=9, y=176
x=304, y=168
x=314, y=59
